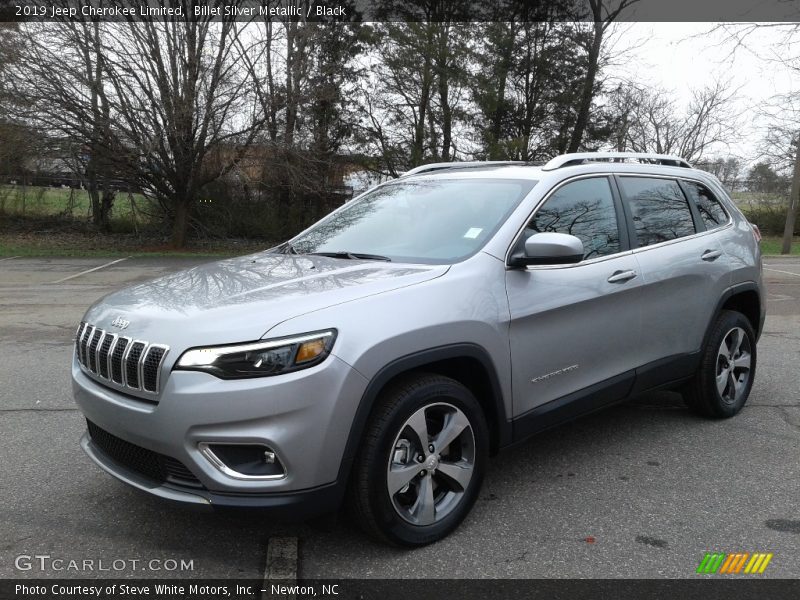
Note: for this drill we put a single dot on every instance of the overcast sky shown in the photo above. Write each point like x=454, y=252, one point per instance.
x=682, y=56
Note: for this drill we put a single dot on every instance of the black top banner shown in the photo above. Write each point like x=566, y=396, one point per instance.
x=403, y=10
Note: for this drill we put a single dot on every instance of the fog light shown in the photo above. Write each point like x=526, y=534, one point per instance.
x=244, y=461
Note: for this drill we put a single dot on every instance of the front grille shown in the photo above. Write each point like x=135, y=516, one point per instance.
x=176, y=471
x=132, y=365
x=150, y=364
x=93, y=342
x=155, y=466
x=127, y=363
x=116, y=360
x=102, y=354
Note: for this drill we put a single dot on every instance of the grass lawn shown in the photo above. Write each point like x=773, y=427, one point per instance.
x=771, y=245
x=46, y=201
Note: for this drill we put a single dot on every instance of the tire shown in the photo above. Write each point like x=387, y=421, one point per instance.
x=431, y=492
x=722, y=384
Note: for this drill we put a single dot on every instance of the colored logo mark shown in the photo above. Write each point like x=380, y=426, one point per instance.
x=740, y=562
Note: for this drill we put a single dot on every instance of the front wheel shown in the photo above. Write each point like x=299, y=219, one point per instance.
x=420, y=468
x=723, y=382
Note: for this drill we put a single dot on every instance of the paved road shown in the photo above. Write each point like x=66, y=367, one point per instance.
x=652, y=485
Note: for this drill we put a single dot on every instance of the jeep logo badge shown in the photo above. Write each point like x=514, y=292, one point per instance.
x=120, y=322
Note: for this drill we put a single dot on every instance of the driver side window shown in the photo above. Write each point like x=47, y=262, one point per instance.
x=585, y=209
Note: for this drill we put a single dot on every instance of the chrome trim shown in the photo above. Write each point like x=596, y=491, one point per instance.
x=681, y=239
x=208, y=454
x=97, y=353
x=145, y=353
x=131, y=344
x=82, y=331
x=431, y=167
x=89, y=349
x=121, y=360
x=663, y=159
x=140, y=366
x=89, y=333
x=108, y=356
x=85, y=345
x=125, y=364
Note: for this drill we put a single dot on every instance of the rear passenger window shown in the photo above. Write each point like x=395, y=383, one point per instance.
x=710, y=208
x=659, y=209
x=585, y=209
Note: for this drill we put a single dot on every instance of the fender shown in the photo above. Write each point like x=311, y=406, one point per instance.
x=747, y=286
x=415, y=361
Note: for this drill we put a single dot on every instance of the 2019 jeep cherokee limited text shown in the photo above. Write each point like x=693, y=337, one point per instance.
x=382, y=354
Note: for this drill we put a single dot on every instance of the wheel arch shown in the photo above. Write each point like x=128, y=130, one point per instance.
x=466, y=363
x=744, y=298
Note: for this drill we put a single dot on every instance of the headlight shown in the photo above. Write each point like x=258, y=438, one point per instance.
x=260, y=359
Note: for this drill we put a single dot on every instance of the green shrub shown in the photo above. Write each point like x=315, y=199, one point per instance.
x=770, y=218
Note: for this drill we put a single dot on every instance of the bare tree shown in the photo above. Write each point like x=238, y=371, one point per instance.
x=59, y=83
x=727, y=170
x=783, y=133
x=183, y=107
x=164, y=107
x=649, y=120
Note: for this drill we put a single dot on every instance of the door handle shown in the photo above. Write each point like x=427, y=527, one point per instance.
x=710, y=255
x=621, y=276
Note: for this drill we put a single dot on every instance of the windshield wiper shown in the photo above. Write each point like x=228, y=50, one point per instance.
x=352, y=255
x=286, y=248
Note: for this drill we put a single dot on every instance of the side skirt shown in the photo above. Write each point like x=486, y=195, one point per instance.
x=662, y=373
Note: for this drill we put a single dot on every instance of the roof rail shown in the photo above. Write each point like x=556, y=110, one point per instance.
x=570, y=160
x=461, y=165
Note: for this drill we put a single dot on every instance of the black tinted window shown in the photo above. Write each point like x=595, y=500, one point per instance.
x=585, y=209
x=659, y=209
x=710, y=209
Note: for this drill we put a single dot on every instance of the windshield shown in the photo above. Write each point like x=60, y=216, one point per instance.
x=435, y=221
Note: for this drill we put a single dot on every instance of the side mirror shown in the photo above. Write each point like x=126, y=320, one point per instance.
x=549, y=249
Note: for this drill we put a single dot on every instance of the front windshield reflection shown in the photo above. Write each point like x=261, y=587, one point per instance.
x=426, y=220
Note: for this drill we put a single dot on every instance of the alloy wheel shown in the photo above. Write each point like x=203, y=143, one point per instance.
x=733, y=365
x=431, y=464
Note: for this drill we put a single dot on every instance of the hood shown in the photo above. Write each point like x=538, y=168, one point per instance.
x=240, y=299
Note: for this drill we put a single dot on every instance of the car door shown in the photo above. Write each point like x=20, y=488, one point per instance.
x=575, y=328
x=682, y=264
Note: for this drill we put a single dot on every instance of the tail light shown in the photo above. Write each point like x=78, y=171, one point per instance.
x=756, y=232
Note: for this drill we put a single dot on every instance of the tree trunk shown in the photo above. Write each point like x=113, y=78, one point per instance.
x=444, y=91
x=180, y=223
x=418, y=145
x=587, y=94
x=106, y=204
x=97, y=211
x=498, y=116
x=794, y=200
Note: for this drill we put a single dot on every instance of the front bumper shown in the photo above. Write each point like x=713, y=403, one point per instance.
x=304, y=417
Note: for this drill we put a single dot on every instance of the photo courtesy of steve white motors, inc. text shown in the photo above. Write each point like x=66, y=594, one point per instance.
x=299, y=10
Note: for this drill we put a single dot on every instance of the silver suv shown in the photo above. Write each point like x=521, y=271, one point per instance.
x=379, y=357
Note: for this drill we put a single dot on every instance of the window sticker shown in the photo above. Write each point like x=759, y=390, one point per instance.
x=473, y=232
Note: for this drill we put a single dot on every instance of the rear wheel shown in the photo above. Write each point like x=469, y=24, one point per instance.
x=422, y=463
x=723, y=382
